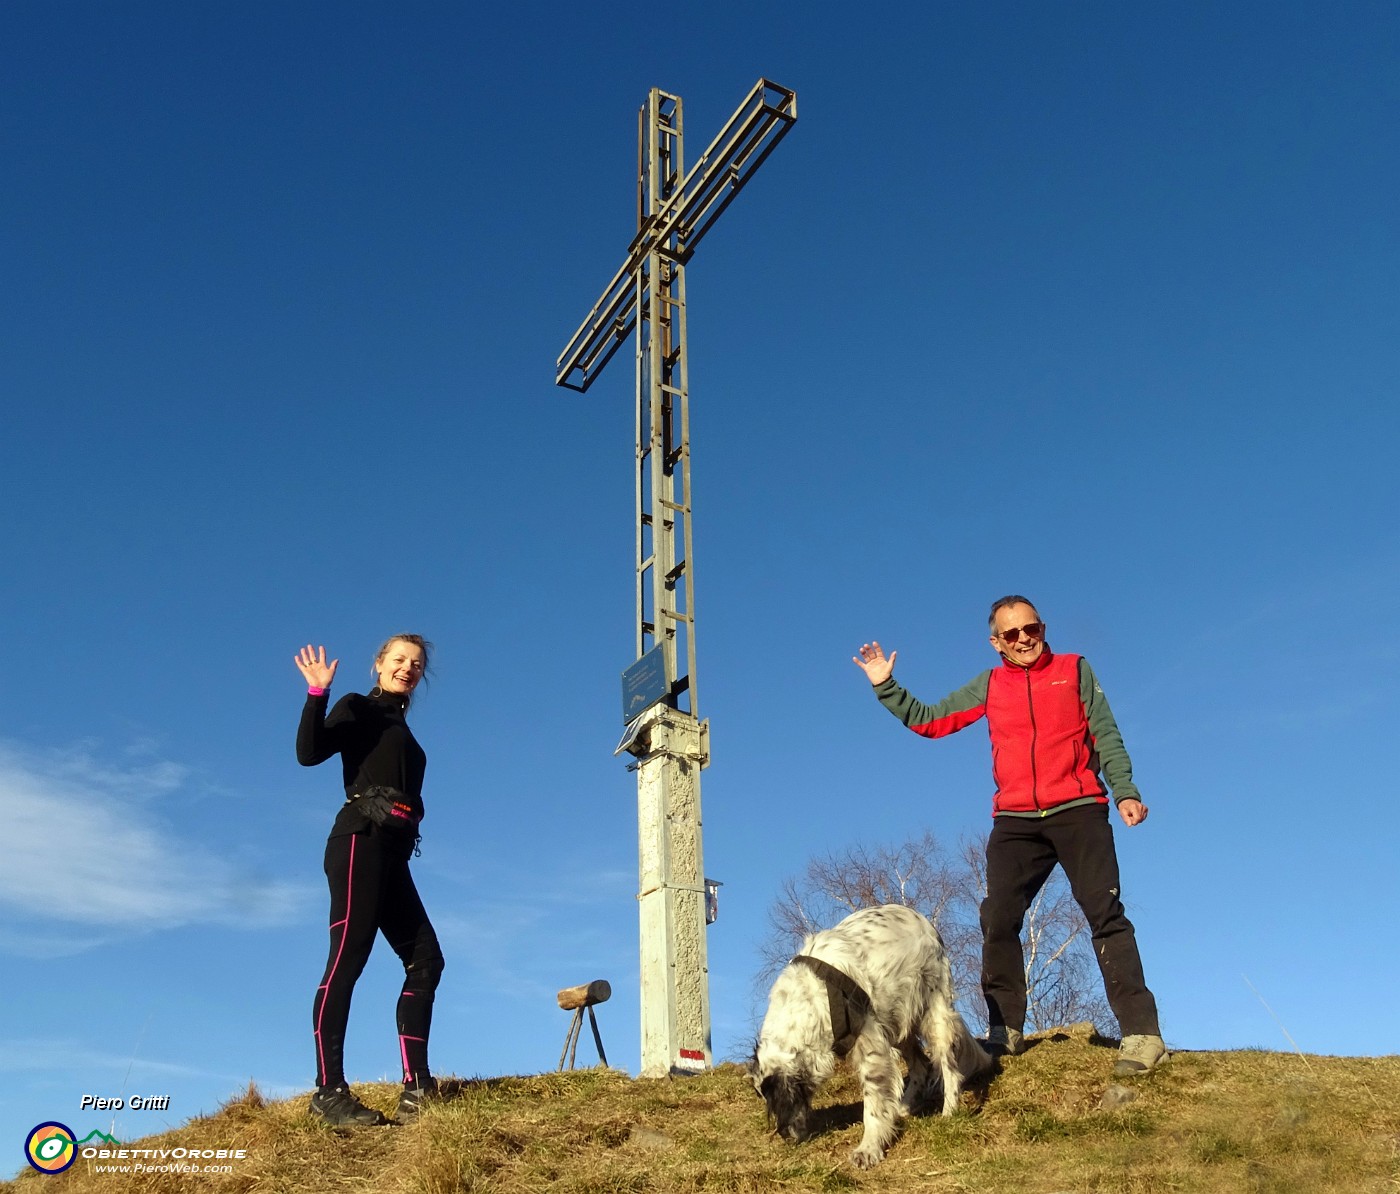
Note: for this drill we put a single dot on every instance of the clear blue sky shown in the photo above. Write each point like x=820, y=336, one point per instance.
x=1093, y=302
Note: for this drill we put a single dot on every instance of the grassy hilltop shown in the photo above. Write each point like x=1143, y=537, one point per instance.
x=1224, y=1123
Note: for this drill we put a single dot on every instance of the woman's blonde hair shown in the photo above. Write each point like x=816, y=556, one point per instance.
x=417, y=640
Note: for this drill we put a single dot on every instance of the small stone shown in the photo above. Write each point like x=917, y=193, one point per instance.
x=1117, y=1096
x=647, y=1139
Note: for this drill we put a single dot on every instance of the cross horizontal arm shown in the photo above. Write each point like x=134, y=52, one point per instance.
x=758, y=124
x=721, y=172
x=601, y=334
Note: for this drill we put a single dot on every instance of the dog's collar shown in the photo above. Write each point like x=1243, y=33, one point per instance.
x=849, y=1003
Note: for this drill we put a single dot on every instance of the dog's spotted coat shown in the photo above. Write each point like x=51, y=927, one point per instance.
x=898, y=959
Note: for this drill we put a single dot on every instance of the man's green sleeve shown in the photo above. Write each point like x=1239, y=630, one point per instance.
x=953, y=713
x=1117, y=768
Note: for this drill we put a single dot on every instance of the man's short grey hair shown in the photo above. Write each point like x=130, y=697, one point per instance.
x=1008, y=600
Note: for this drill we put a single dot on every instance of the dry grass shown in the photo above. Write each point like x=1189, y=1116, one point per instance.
x=1217, y=1123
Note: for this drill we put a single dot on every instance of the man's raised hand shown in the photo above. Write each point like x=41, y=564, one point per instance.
x=871, y=660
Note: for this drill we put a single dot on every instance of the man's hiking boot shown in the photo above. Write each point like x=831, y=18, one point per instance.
x=1138, y=1055
x=341, y=1109
x=1003, y=1042
x=412, y=1099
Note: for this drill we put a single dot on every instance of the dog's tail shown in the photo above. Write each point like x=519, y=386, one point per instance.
x=972, y=1061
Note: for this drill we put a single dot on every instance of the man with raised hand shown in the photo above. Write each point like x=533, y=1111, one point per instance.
x=1054, y=741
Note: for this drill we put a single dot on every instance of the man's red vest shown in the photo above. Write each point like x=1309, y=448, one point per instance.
x=1042, y=750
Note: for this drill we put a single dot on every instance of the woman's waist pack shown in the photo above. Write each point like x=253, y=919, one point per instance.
x=388, y=808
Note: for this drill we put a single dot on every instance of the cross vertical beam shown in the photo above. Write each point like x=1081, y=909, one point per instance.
x=675, y=1003
x=675, y=208
x=665, y=580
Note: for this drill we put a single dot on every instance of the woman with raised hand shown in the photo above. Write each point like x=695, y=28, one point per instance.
x=372, y=891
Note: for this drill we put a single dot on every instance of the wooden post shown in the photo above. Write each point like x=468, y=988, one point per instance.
x=576, y=999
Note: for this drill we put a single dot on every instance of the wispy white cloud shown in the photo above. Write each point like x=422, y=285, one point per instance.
x=48, y=942
x=54, y=1055
x=89, y=848
x=533, y=934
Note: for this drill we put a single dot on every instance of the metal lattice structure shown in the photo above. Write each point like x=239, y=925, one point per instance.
x=675, y=208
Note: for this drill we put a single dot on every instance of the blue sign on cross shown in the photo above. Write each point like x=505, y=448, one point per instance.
x=644, y=683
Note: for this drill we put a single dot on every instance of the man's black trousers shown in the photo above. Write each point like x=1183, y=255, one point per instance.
x=1021, y=853
x=372, y=892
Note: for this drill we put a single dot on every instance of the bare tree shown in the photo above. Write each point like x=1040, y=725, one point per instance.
x=1062, y=978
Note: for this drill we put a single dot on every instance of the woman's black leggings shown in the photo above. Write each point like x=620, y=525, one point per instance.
x=373, y=892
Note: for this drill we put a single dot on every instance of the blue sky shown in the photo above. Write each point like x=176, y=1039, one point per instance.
x=1093, y=302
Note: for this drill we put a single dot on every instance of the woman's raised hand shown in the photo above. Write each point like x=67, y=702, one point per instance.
x=313, y=666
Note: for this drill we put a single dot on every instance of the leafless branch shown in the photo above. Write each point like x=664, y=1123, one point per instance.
x=947, y=886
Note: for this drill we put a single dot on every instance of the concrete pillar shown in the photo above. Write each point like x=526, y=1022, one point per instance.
x=674, y=961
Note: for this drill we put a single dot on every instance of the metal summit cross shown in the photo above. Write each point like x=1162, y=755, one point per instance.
x=675, y=208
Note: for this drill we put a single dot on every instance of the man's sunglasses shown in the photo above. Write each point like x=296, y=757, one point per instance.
x=1031, y=630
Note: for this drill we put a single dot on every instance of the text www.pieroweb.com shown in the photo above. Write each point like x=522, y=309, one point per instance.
x=205, y=1162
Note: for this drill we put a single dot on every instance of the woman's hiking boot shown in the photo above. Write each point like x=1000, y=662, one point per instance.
x=341, y=1109
x=413, y=1098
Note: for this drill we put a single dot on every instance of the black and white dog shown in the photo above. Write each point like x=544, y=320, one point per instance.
x=876, y=983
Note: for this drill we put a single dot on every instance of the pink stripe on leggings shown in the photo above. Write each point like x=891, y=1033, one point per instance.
x=403, y=1050
x=349, y=890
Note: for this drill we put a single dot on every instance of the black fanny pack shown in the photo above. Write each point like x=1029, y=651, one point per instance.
x=387, y=808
